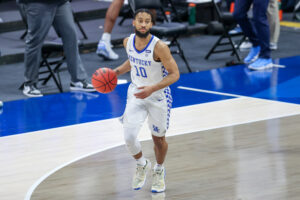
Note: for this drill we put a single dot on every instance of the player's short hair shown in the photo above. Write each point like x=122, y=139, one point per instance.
x=146, y=11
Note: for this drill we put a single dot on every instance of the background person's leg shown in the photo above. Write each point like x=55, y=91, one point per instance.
x=39, y=18
x=240, y=14
x=274, y=23
x=65, y=26
x=104, y=46
x=261, y=24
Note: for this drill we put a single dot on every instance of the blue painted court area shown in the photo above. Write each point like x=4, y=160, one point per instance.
x=76, y=107
x=281, y=84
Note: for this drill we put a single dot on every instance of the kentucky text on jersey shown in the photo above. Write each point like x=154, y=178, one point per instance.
x=139, y=61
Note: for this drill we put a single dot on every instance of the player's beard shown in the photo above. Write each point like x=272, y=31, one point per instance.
x=141, y=35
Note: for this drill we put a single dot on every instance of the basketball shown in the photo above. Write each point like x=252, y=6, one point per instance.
x=104, y=80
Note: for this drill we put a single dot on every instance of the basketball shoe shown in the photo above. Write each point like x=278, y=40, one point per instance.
x=139, y=178
x=273, y=46
x=261, y=64
x=245, y=46
x=253, y=55
x=104, y=50
x=31, y=91
x=158, y=181
x=82, y=86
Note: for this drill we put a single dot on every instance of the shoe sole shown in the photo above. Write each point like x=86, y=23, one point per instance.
x=262, y=68
x=104, y=56
x=30, y=95
x=158, y=191
x=145, y=178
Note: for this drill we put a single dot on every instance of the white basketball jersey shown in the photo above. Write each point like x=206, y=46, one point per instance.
x=144, y=69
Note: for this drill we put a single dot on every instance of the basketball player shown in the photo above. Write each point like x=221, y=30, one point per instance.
x=153, y=69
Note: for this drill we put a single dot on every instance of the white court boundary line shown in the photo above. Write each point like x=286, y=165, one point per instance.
x=209, y=91
x=230, y=95
x=34, y=186
x=38, y=182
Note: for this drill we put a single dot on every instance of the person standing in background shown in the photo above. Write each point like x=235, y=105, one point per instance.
x=104, y=45
x=40, y=15
x=273, y=18
x=258, y=32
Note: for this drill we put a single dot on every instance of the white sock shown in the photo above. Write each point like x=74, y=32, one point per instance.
x=106, y=37
x=141, y=161
x=158, y=167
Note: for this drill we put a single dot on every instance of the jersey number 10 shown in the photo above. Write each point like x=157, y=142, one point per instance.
x=141, y=71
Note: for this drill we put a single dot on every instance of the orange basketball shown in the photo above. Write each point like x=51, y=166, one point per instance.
x=104, y=80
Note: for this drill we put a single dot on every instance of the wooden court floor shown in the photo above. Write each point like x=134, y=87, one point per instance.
x=252, y=161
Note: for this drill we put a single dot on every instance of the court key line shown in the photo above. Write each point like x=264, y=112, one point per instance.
x=209, y=91
x=228, y=94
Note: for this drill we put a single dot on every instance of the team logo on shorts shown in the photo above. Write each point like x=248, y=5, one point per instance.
x=155, y=128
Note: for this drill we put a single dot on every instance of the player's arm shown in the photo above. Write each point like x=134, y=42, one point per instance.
x=125, y=67
x=162, y=52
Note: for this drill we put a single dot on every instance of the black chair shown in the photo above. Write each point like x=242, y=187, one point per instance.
x=51, y=67
x=228, y=23
x=170, y=30
x=126, y=13
x=51, y=64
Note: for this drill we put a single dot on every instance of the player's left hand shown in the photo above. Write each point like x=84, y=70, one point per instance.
x=144, y=92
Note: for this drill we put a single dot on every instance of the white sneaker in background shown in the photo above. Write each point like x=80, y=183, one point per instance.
x=31, y=91
x=104, y=50
x=245, y=46
x=273, y=46
x=236, y=30
x=82, y=86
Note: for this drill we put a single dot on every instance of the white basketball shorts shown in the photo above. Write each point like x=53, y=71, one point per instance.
x=156, y=107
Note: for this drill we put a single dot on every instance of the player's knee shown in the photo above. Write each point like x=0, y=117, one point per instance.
x=159, y=142
x=130, y=134
x=132, y=145
x=129, y=139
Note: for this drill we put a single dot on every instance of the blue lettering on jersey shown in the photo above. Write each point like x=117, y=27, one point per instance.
x=139, y=61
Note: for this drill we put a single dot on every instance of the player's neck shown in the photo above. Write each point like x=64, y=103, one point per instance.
x=140, y=42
